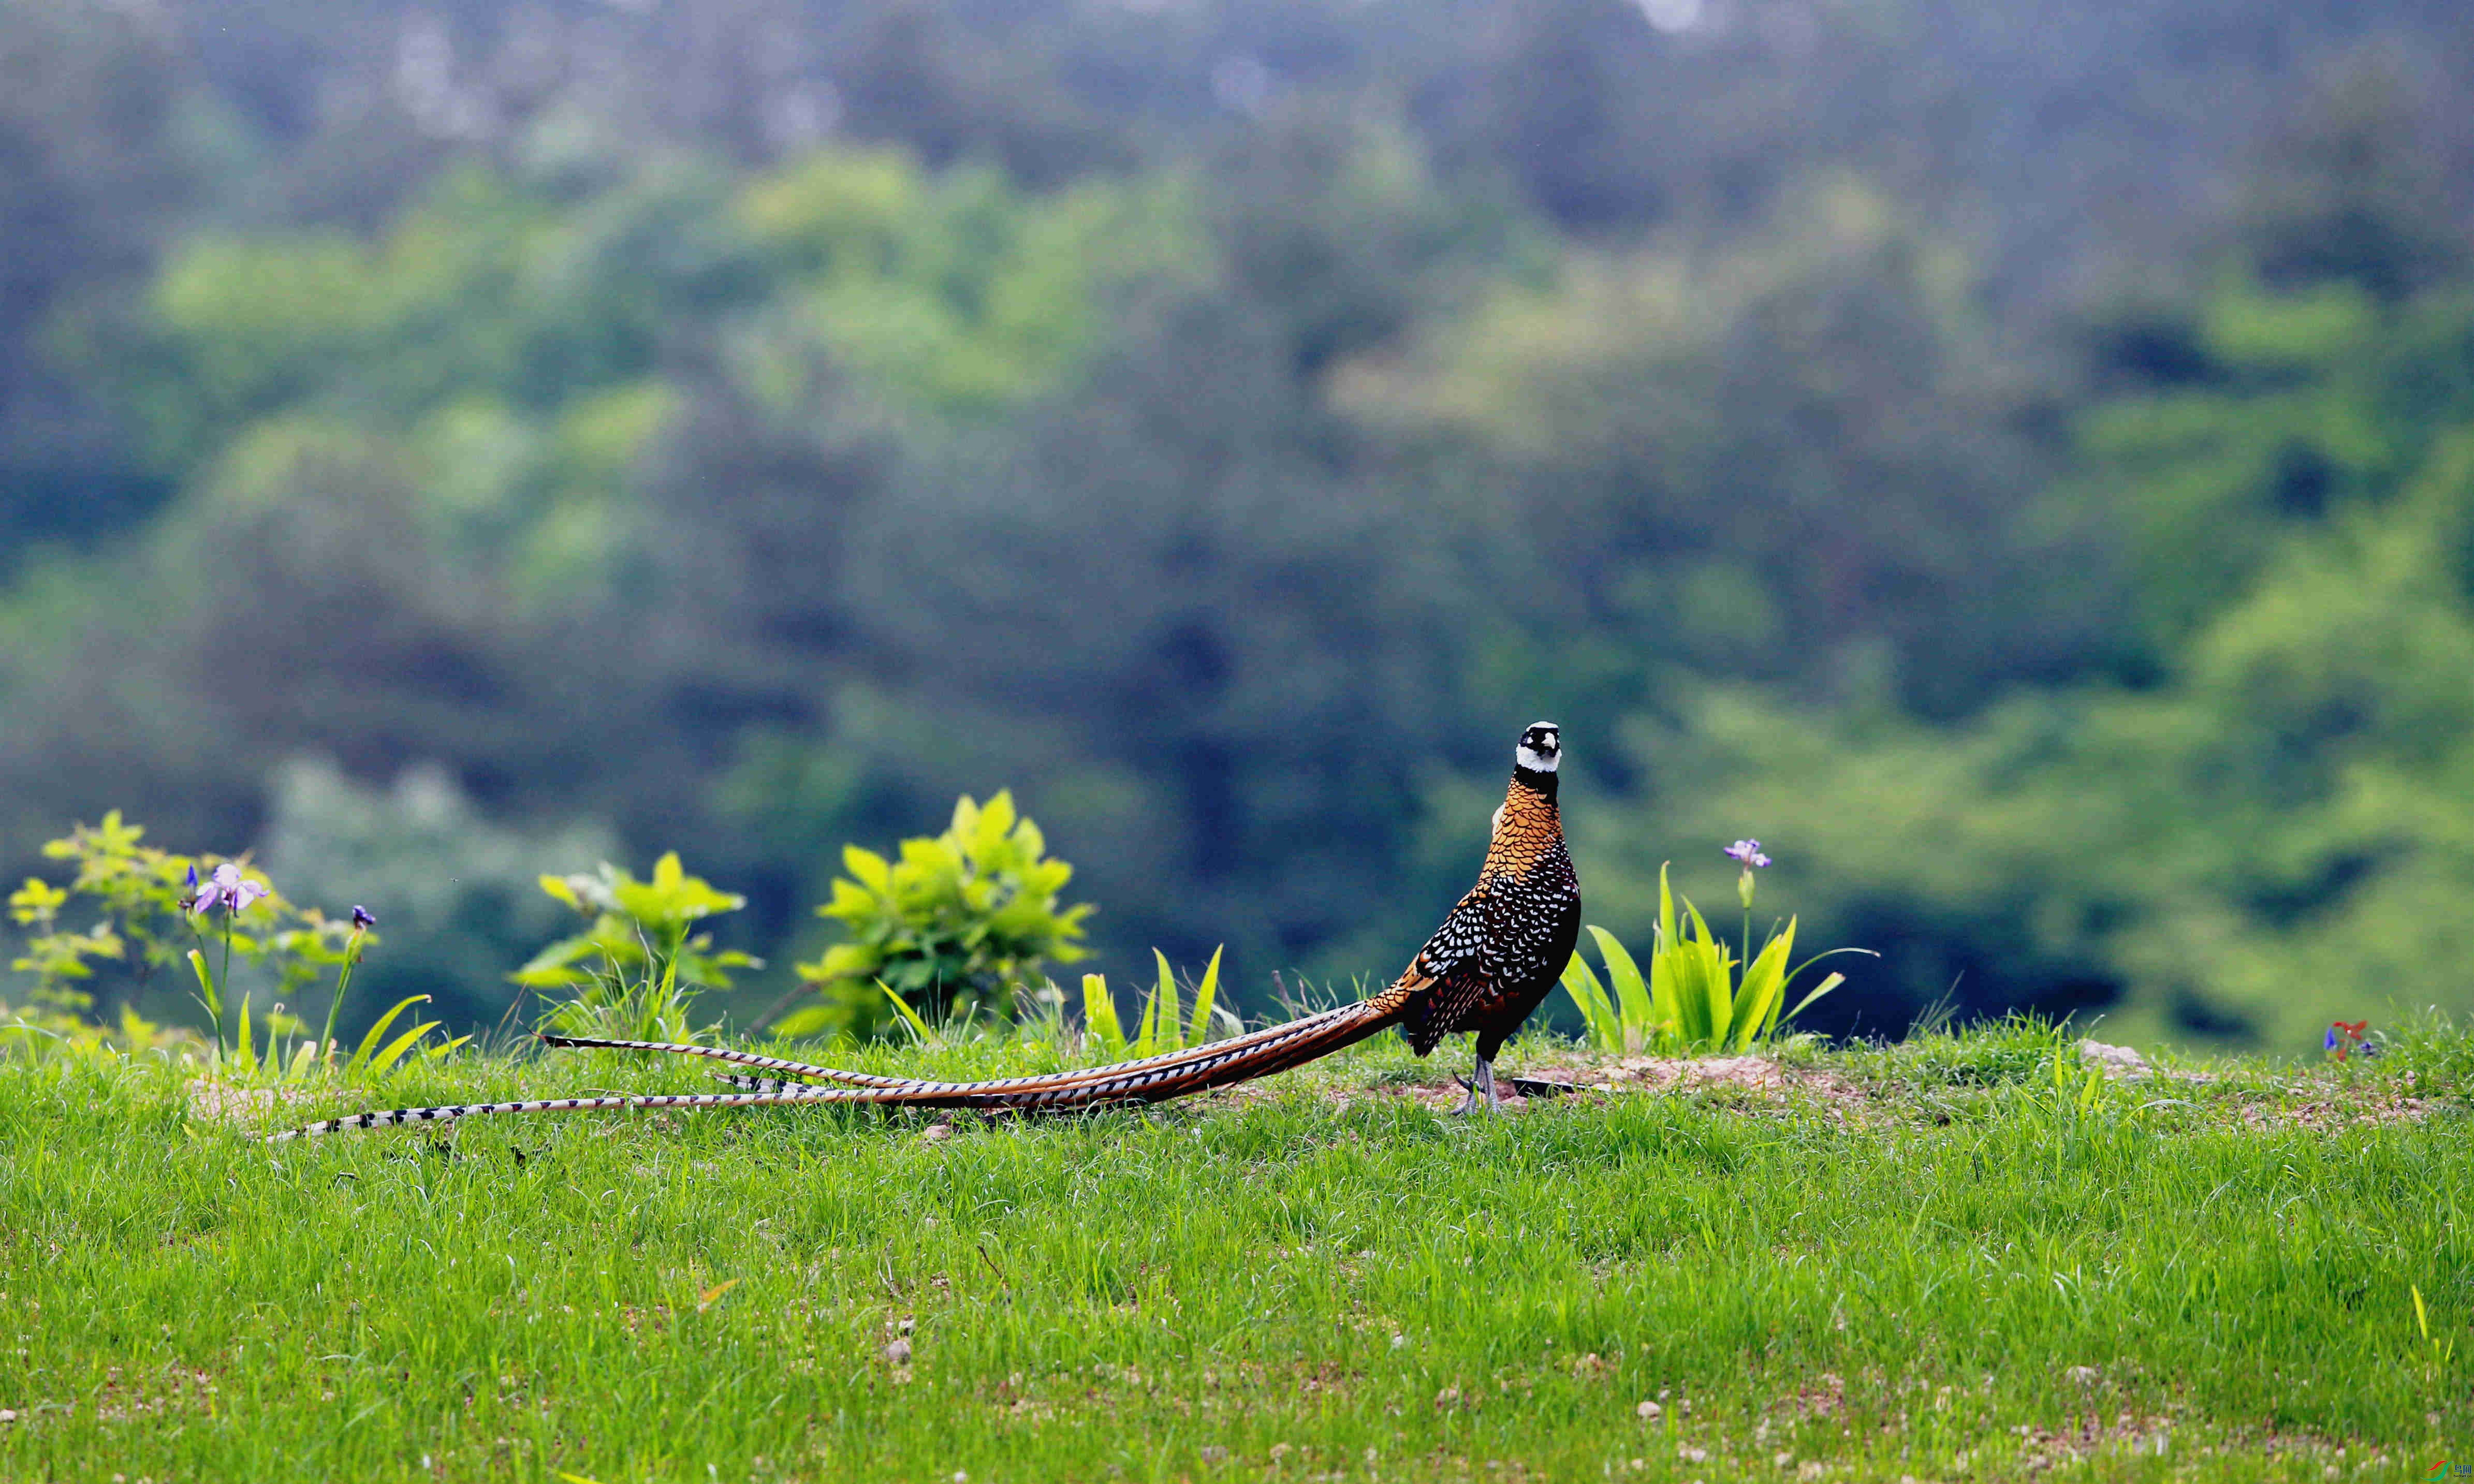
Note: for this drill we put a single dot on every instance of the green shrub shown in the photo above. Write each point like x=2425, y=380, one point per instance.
x=637, y=969
x=952, y=927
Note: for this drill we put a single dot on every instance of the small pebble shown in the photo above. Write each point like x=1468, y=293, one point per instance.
x=1649, y=1409
x=898, y=1352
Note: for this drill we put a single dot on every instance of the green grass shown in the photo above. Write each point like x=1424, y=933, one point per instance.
x=1894, y=1275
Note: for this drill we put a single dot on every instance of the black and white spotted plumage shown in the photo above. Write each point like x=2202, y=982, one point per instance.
x=1485, y=970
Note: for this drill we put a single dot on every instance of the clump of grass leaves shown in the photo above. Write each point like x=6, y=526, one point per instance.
x=1691, y=1000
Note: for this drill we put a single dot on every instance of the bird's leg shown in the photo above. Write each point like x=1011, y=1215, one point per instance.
x=1486, y=1080
x=1471, y=1082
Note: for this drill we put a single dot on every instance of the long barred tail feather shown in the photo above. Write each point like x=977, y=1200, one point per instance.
x=1151, y=1080
x=722, y=1053
x=1190, y=1053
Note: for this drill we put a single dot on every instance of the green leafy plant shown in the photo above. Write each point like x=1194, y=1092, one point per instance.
x=636, y=971
x=1165, y=1024
x=1692, y=999
x=951, y=927
x=151, y=908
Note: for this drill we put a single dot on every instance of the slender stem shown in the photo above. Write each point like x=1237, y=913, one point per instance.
x=222, y=980
x=214, y=1000
x=325, y=1050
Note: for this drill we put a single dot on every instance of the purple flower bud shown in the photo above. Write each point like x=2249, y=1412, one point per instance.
x=362, y=921
x=193, y=878
x=2329, y=1041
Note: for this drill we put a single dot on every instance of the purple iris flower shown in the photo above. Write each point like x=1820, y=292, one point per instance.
x=1748, y=851
x=362, y=921
x=229, y=889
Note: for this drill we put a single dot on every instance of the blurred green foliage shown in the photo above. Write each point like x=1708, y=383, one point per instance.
x=2264, y=830
x=954, y=926
x=528, y=440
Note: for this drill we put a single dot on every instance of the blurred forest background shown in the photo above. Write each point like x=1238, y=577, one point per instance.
x=2017, y=461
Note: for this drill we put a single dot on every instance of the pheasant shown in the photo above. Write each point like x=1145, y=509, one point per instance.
x=1506, y=944
x=1499, y=951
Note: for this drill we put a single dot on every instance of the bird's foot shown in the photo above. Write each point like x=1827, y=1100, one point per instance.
x=1480, y=1085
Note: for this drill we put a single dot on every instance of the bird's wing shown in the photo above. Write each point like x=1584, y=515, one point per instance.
x=1455, y=970
x=1461, y=942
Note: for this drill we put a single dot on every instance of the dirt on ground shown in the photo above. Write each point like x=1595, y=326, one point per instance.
x=1551, y=1082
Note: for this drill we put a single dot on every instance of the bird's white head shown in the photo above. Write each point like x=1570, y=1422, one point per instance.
x=1541, y=747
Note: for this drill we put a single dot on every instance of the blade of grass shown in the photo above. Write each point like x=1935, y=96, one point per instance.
x=371, y=1039
x=909, y=1016
x=394, y=1049
x=1820, y=990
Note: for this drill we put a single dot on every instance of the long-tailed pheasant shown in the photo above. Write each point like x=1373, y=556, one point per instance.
x=1506, y=944
x=1490, y=964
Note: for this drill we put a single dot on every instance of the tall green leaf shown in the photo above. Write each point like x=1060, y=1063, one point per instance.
x=206, y=983
x=1717, y=969
x=1168, y=1034
x=1665, y=909
x=1835, y=980
x=1632, y=990
x=909, y=1016
x=1100, y=1015
x=370, y=1040
x=1763, y=989
x=1597, y=1014
x=394, y=1049
x=1203, y=996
